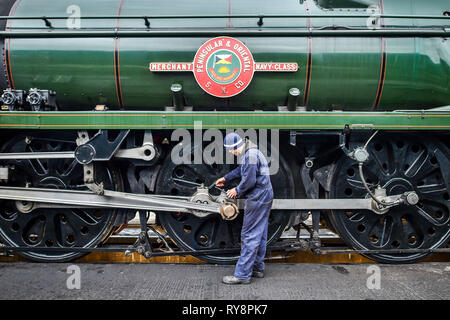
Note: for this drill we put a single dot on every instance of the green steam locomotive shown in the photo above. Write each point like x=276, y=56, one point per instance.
x=96, y=96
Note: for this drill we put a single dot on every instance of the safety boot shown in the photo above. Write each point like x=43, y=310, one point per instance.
x=257, y=274
x=234, y=280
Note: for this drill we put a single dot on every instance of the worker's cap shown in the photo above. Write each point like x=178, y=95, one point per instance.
x=232, y=141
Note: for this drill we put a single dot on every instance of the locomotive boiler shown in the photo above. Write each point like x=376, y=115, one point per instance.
x=97, y=95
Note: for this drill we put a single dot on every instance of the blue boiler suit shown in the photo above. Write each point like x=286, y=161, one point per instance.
x=255, y=185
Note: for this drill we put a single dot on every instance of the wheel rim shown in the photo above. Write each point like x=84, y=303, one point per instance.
x=212, y=232
x=398, y=164
x=57, y=227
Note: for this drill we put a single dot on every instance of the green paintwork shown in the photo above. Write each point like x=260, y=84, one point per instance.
x=406, y=120
x=345, y=71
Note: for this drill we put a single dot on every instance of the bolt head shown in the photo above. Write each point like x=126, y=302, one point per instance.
x=361, y=155
x=412, y=198
x=294, y=92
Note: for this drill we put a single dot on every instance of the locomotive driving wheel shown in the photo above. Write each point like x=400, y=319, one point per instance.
x=398, y=164
x=212, y=232
x=53, y=227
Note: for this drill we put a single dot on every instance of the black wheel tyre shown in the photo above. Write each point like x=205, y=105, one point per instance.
x=397, y=163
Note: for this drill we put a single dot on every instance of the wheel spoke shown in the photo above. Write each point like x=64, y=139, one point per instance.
x=359, y=186
x=383, y=156
x=52, y=166
x=432, y=190
x=68, y=168
x=419, y=164
x=400, y=157
x=41, y=166
x=80, y=217
x=386, y=231
x=356, y=216
x=380, y=233
x=35, y=167
x=427, y=214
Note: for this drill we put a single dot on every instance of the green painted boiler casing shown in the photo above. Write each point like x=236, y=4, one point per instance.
x=335, y=72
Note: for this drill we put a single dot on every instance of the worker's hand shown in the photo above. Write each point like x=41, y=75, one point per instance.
x=232, y=193
x=220, y=182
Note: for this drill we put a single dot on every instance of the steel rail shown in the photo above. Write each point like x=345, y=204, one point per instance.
x=289, y=246
x=381, y=251
x=67, y=249
x=244, y=32
x=127, y=248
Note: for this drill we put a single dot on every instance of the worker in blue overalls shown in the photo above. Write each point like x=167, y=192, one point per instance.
x=255, y=186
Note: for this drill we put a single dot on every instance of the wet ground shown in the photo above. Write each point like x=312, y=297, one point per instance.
x=21, y=280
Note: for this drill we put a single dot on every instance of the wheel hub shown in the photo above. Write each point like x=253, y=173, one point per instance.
x=398, y=186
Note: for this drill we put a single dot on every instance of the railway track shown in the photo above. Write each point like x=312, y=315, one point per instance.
x=127, y=236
